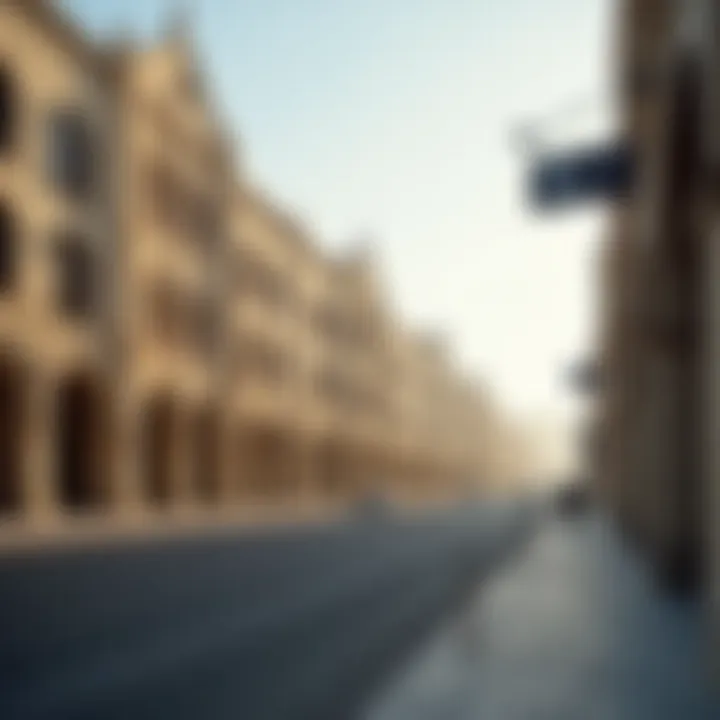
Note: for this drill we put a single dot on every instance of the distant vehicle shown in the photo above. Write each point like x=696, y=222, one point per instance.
x=573, y=498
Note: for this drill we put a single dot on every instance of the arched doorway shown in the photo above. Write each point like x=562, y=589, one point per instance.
x=267, y=463
x=81, y=451
x=8, y=109
x=157, y=440
x=13, y=392
x=241, y=462
x=332, y=470
x=8, y=248
x=75, y=275
x=207, y=458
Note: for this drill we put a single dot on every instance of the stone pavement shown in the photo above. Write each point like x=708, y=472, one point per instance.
x=572, y=629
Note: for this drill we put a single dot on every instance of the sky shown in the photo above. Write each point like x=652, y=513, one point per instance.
x=396, y=121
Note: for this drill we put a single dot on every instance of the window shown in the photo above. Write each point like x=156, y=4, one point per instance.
x=166, y=312
x=176, y=208
x=204, y=325
x=190, y=85
x=165, y=123
x=70, y=154
x=184, y=321
x=261, y=359
x=343, y=326
x=75, y=272
x=165, y=196
x=340, y=389
x=8, y=249
x=257, y=277
x=8, y=110
x=217, y=159
x=206, y=222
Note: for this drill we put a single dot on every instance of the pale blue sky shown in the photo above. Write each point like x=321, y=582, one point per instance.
x=392, y=119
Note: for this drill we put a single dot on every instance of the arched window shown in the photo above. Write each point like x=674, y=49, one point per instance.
x=8, y=248
x=168, y=200
x=8, y=109
x=75, y=276
x=159, y=426
x=166, y=312
x=71, y=154
x=203, y=324
x=161, y=192
x=81, y=452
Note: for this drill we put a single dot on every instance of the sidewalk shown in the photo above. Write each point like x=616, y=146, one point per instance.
x=572, y=629
x=105, y=530
x=64, y=531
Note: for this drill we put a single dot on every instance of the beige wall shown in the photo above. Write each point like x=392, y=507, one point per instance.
x=228, y=359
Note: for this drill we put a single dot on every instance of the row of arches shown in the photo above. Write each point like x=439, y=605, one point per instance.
x=162, y=435
x=80, y=427
x=180, y=452
x=268, y=462
x=73, y=264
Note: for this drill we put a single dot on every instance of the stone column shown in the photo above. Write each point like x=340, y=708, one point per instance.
x=125, y=449
x=183, y=446
x=243, y=471
x=39, y=454
x=304, y=471
x=229, y=490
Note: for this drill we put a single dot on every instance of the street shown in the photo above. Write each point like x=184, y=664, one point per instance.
x=292, y=623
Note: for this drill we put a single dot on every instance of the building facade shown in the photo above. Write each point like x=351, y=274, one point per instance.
x=170, y=337
x=660, y=465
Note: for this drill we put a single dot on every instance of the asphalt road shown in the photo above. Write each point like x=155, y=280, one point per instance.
x=291, y=623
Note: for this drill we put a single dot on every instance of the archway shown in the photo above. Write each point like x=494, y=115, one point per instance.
x=8, y=247
x=206, y=459
x=13, y=392
x=267, y=463
x=8, y=109
x=81, y=452
x=157, y=441
x=333, y=470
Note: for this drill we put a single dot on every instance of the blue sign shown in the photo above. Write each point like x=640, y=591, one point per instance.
x=598, y=173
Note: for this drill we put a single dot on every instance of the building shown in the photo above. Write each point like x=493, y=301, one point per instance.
x=172, y=339
x=57, y=249
x=659, y=472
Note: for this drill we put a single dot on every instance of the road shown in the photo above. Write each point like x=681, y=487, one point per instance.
x=291, y=623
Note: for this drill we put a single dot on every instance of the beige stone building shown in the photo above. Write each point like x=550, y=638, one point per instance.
x=661, y=466
x=171, y=338
x=654, y=474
